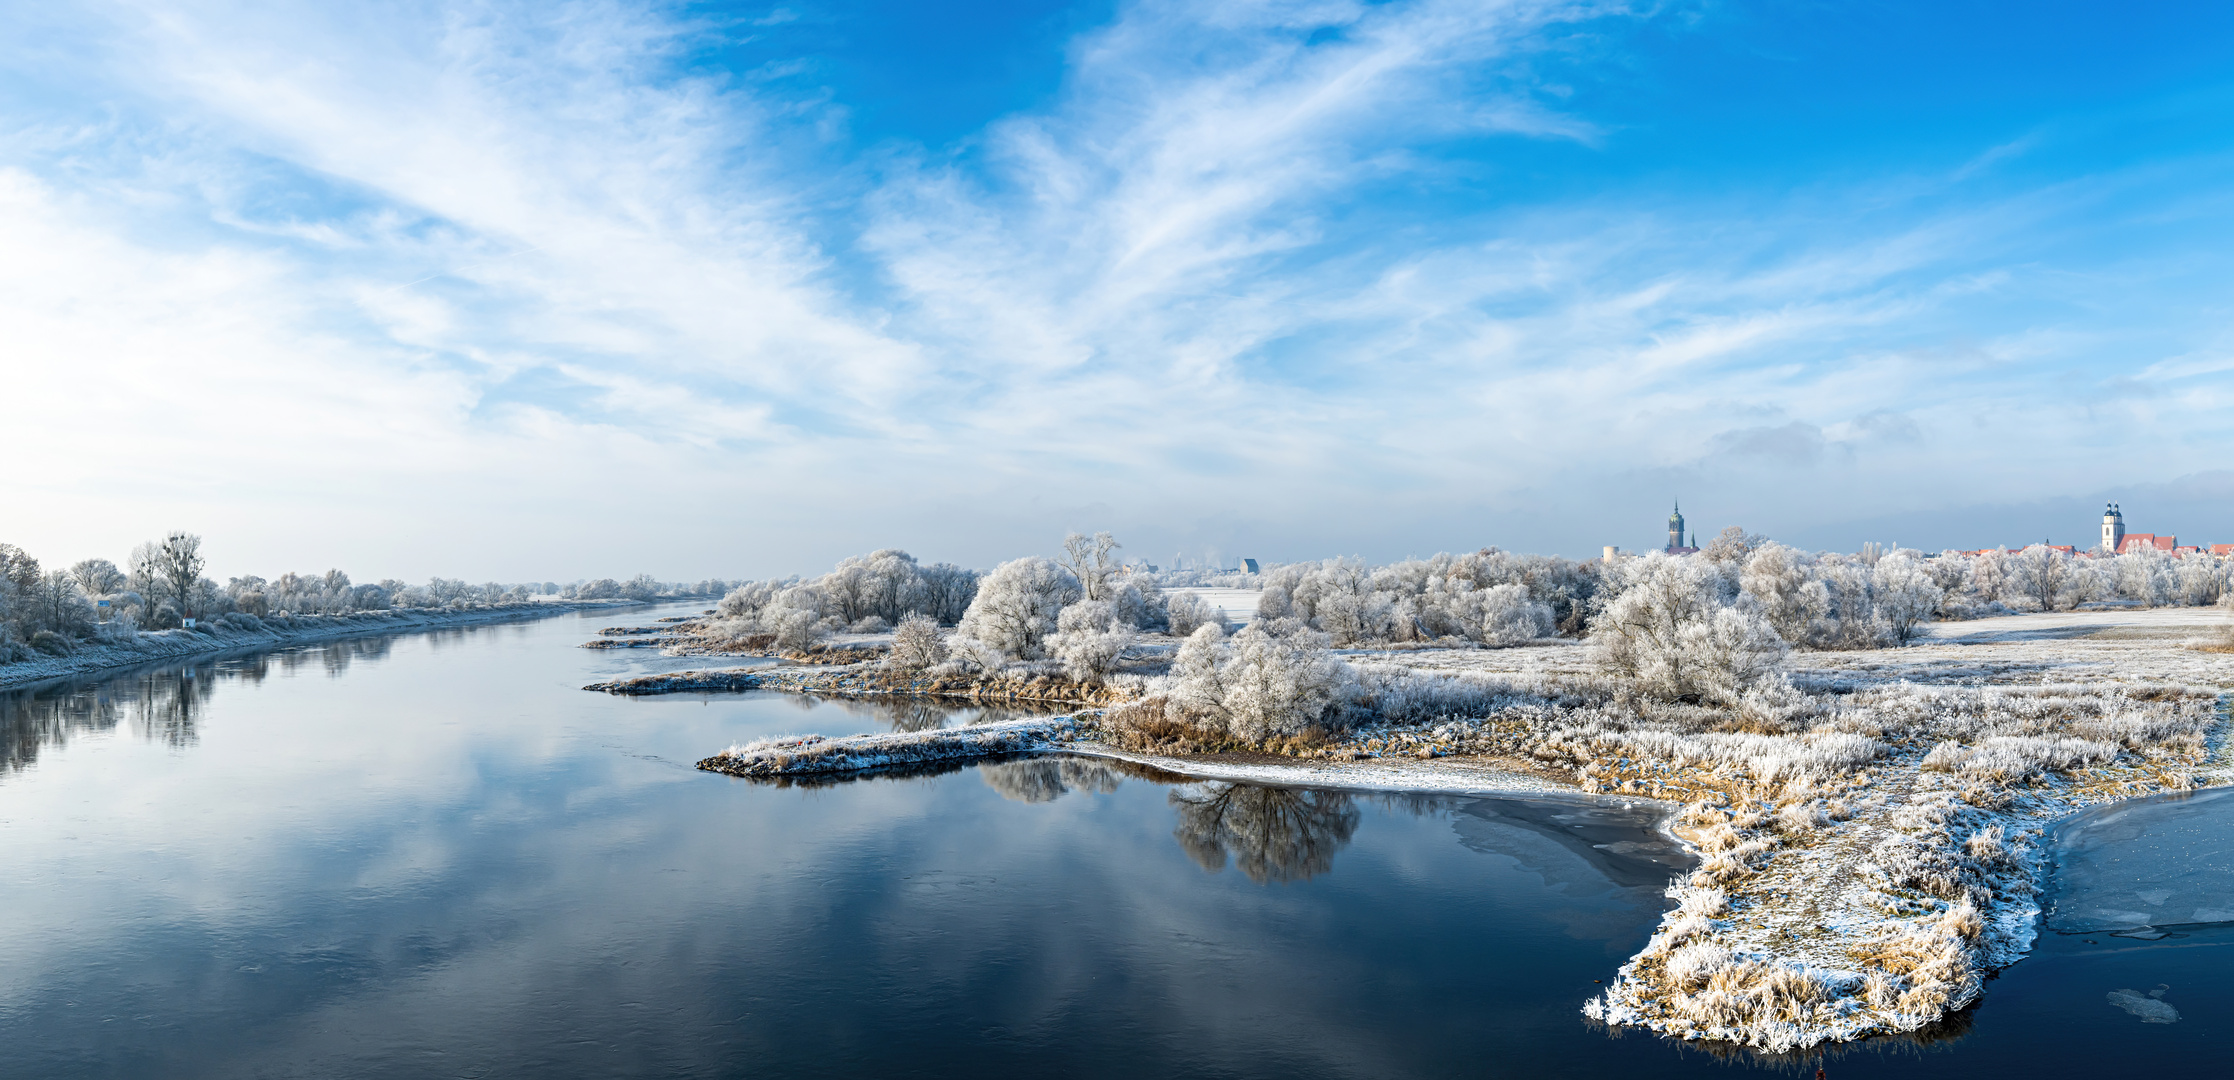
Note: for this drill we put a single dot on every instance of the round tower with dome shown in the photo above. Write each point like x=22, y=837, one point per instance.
x=2113, y=529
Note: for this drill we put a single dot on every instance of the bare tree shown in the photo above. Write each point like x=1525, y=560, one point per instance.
x=178, y=566
x=1091, y=562
x=97, y=577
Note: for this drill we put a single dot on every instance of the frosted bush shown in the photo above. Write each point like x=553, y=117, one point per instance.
x=1784, y=590
x=1672, y=633
x=1270, y=680
x=916, y=645
x=798, y=630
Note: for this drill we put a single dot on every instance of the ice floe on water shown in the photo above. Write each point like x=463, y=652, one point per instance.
x=2150, y=1007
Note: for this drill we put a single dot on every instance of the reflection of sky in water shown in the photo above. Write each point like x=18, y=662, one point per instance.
x=436, y=856
x=2162, y=862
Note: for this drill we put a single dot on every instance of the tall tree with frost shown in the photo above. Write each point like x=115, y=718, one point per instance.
x=2043, y=575
x=1017, y=606
x=1905, y=594
x=178, y=564
x=1782, y=584
x=1092, y=562
x=97, y=577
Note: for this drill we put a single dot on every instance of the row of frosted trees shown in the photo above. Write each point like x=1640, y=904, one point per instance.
x=163, y=583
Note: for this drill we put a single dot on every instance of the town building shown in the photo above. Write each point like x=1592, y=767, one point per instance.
x=1676, y=546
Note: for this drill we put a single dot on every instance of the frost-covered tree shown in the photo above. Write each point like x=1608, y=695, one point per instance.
x=1504, y=615
x=1734, y=546
x=1905, y=595
x=1678, y=629
x=1092, y=562
x=947, y=591
x=176, y=566
x=1273, y=679
x=1017, y=606
x=1089, y=637
x=2044, y=576
x=97, y=577
x=1784, y=589
x=916, y=645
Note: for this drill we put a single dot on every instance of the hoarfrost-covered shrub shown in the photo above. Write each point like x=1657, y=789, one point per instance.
x=1018, y=605
x=1089, y=637
x=1272, y=680
x=871, y=624
x=1279, y=680
x=916, y=645
x=1672, y=632
x=51, y=643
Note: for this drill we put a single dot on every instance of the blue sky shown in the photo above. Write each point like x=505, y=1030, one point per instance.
x=543, y=290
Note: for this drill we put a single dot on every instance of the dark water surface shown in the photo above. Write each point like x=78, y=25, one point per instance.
x=434, y=855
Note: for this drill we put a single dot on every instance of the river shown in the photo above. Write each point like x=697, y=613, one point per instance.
x=434, y=855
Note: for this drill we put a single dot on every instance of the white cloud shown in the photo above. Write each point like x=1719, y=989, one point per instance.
x=493, y=264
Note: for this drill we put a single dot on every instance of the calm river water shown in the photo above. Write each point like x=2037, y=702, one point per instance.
x=433, y=855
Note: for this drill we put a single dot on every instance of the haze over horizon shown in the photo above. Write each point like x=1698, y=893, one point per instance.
x=537, y=292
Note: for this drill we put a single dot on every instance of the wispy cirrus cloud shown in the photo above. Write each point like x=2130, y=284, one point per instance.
x=1249, y=270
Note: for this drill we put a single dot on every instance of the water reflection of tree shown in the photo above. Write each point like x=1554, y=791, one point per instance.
x=167, y=704
x=1272, y=834
x=164, y=706
x=31, y=722
x=1046, y=779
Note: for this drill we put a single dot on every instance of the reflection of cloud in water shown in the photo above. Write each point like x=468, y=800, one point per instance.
x=1039, y=780
x=1272, y=834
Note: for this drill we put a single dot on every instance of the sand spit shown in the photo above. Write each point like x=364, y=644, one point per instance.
x=1870, y=841
x=277, y=632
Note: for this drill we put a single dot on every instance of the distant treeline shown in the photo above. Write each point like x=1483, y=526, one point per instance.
x=162, y=584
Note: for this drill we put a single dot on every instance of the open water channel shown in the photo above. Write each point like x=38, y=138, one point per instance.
x=434, y=855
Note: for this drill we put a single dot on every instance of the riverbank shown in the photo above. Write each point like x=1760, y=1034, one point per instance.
x=276, y=632
x=1870, y=842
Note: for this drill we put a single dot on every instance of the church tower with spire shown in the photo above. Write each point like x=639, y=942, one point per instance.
x=1675, y=529
x=2113, y=529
